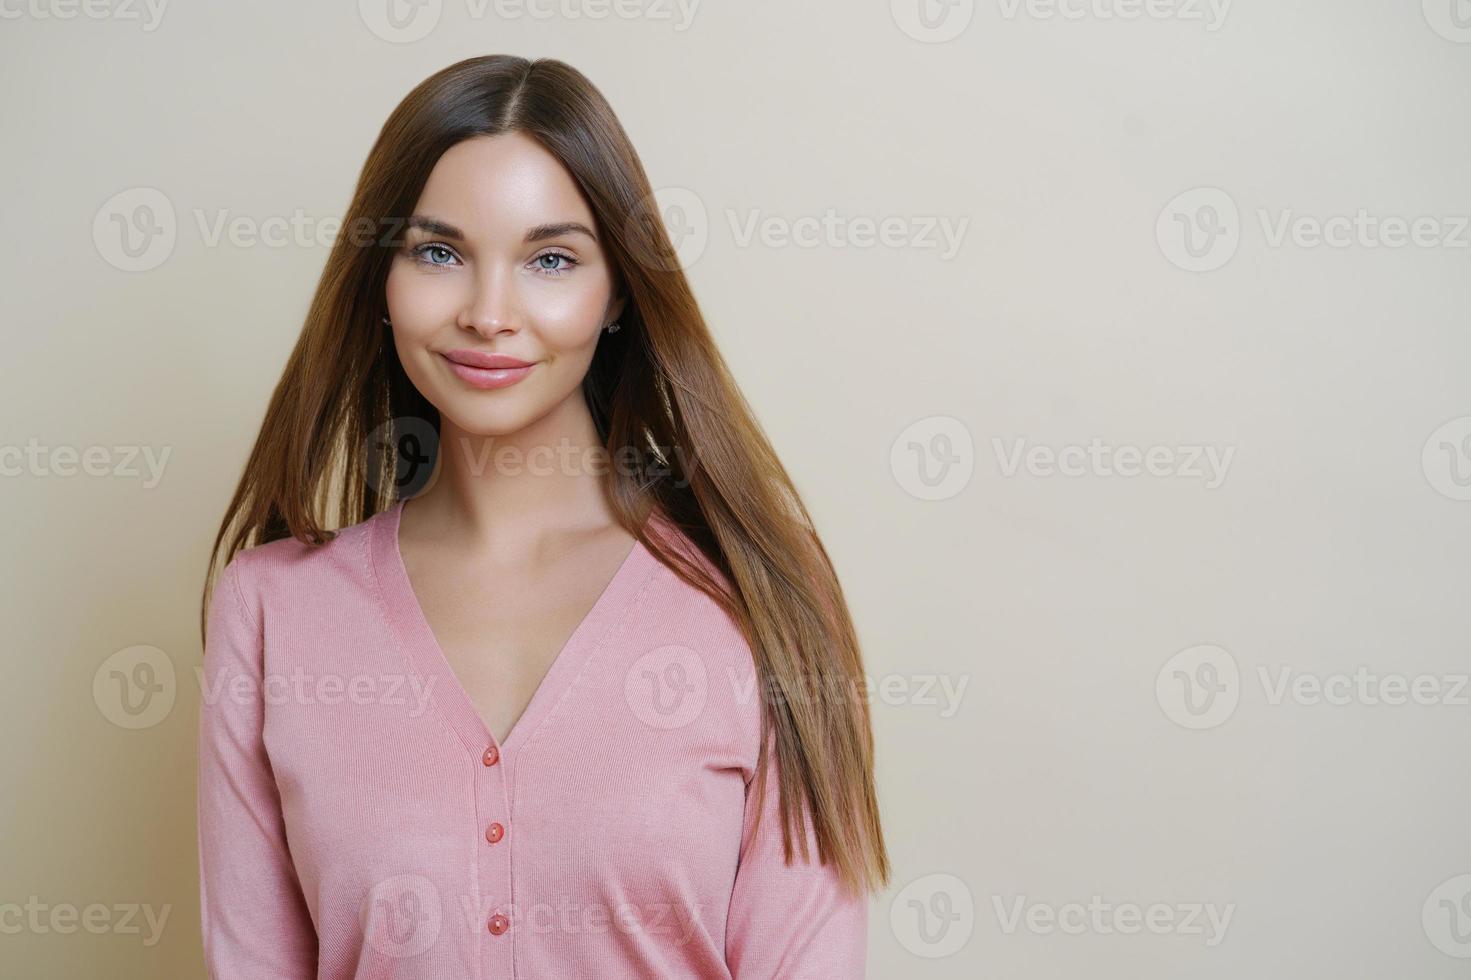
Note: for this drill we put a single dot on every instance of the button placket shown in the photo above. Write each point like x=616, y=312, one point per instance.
x=494, y=860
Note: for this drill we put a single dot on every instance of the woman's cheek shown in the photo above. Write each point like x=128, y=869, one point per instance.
x=423, y=302
x=573, y=321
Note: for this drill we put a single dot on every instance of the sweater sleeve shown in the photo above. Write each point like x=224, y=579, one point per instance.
x=790, y=922
x=253, y=916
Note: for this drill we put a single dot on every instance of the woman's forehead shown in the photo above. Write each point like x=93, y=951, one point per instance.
x=501, y=185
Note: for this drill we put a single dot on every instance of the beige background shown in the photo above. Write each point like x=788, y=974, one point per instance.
x=1073, y=616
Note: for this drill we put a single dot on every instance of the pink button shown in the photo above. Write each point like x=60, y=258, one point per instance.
x=499, y=924
x=491, y=757
x=494, y=833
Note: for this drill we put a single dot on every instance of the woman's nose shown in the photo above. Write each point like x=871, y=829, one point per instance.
x=492, y=305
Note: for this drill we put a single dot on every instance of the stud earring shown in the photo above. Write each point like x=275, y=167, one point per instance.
x=387, y=322
x=613, y=327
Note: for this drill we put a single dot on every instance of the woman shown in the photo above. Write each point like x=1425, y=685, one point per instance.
x=589, y=704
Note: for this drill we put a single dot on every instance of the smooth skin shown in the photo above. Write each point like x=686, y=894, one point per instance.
x=506, y=554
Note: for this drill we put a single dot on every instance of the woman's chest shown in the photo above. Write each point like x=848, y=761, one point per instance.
x=606, y=806
x=500, y=634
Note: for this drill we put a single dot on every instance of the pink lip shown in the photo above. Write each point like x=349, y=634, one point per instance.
x=480, y=359
x=487, y=370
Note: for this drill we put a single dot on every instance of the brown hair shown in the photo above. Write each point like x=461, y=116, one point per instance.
x=657, y=384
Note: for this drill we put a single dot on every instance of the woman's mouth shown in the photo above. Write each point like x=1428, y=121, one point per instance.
x=481, y=370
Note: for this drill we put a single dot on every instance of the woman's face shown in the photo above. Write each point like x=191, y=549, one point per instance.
x=500, y=259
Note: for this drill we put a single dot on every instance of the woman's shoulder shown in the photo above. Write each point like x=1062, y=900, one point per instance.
x=687, y=610
x=680, y=549
x=292, y=568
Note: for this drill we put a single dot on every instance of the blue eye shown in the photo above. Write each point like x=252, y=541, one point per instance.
x=427, y=248
x=560, y=270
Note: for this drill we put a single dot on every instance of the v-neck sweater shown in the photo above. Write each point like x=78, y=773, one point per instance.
x=357, y=819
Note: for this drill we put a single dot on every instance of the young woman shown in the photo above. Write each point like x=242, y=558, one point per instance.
x=575, y=692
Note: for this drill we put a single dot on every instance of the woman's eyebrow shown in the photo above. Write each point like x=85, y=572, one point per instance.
x=435, y=227
x=557, y=229
x=535, y=234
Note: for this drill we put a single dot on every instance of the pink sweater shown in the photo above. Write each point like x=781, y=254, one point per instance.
x=357, y=819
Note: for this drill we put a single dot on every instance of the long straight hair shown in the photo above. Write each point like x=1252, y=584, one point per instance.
x=327, y=454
